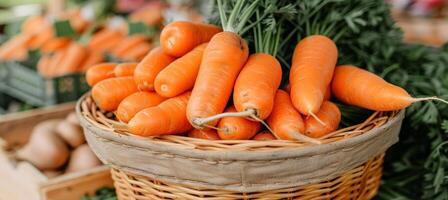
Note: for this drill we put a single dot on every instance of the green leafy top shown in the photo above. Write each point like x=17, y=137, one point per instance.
x=235, y=14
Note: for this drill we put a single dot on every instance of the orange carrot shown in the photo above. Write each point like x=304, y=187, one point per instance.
x=311, y=72
x=8, y=51
x=56, y=60
x=237, y=128
x=329, y=113
x=257, y=84
x=125, y=69
x=136, y=102
x=327, y=95
x=207, y=134
x=105, y=39
x=55, y=44
x=137, y=53
x=93, y=57
x=32, y=24
x=75, y=55
x=43, y=66
x=285, y=122
x=180, y=37
x=358, y=87
x=166, y=118
x=179, y=76
x=109, y=93
x=99, y=72
x=40, y=38
x=147, y=70
x=151, y=15
x=222, y=60
x=264, y=135
x=127, y=44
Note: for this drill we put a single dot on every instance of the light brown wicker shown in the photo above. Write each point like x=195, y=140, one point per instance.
x=346, y=166
x=359, y=183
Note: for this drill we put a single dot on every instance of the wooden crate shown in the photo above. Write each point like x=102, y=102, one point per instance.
x=22, y=181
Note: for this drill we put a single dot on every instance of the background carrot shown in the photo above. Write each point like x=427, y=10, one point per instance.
x=207, y=134
x=264, y=135
x=127, y=44
x=93, y=57
x=56, y=60
x=55, y=44
x=222, y=60
x=75, y=55
x=180, y=75
x=329, y=113
x=179, y=37
x=136, y=102
x=311, y=72
x=285, y=121
x=237, y=128
x=43, y=66
x=171, y=118
x=40, y=38
x=137, y=53
x=147, y=70
x=99, y=72
x=257, y=84
x=125, y=69
x=358, y=87
x=109, y=93
x=8, y=50
x=105, y=39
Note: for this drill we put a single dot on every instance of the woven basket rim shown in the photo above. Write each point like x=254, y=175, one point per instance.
x=183, y=149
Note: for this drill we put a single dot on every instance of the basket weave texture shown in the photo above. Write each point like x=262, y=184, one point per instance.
x=346, y=166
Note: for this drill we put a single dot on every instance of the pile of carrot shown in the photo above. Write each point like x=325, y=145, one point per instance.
x=66, y=55
x=204, y=82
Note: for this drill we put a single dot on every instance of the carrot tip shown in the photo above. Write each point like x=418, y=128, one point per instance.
x=200, y=122
x=429, y=99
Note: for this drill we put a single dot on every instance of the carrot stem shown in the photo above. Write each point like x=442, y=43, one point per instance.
x=266, y=125
x=202, y=121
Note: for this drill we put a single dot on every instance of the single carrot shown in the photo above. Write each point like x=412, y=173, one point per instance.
x=100, y=72
x=150, y=15
x=237, y=128
x=136, y=102
x=327, y=95
x=93, y=58
x=75, y=55
x=180, y=37
x=358, y=87
x=127, y=44
x=40, y=38
x=285, y=121
x=8, y=50
x=166, y=118
x=311, y=72
x=264, y=135
x=125, y=69
x=32, y=24
x=222, y=61
x=329, y=113
x=180, y=75
x=256, y=85
x=147, y=70
x=55, y=44
x=56, y=60
x=138, y=52
x=207, y=134
x=105, y=39
x=109, y=93
x=43, y=66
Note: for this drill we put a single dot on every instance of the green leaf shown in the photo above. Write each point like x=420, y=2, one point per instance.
x=64, y=29
x=141, y=28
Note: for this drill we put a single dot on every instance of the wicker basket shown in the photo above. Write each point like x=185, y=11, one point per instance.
x=347, y=165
